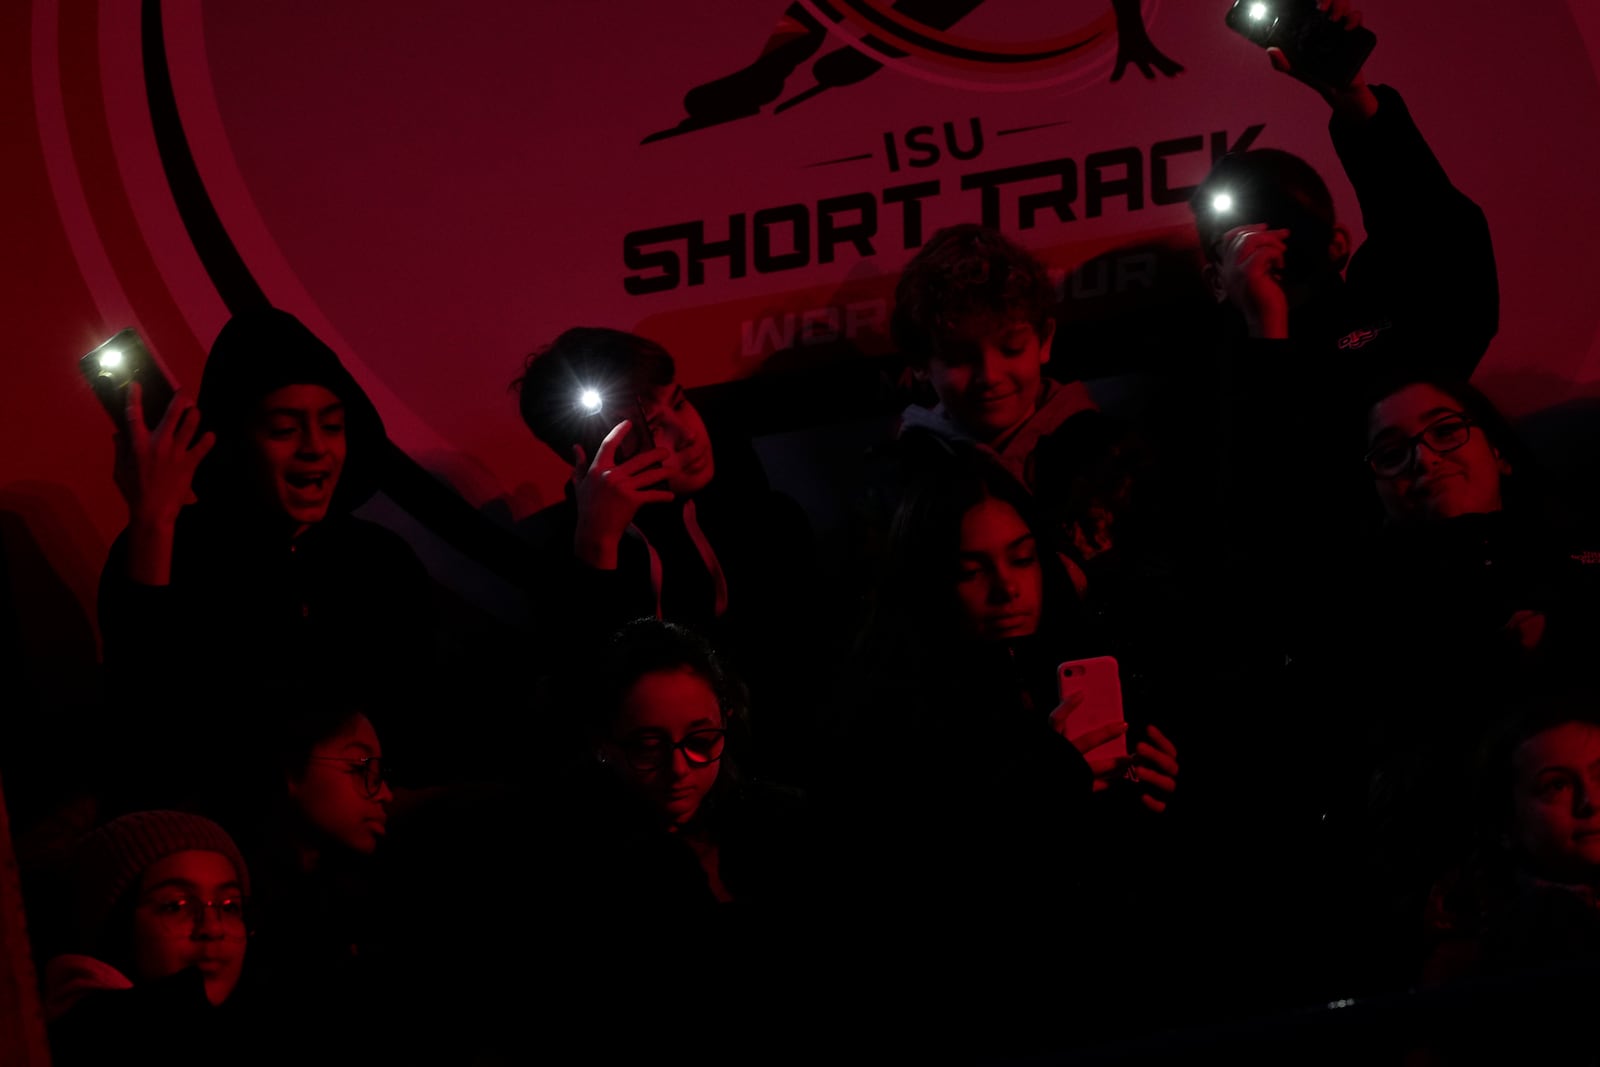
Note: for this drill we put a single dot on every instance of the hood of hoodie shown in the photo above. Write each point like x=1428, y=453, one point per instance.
x=1058, y=402
x=257, y=353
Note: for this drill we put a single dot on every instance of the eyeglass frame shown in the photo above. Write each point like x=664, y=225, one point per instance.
x=194, y=914
x=1417, y=439
x=370, y=766
x=677, y=746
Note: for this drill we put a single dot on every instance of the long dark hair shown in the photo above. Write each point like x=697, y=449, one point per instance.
x=913, y=618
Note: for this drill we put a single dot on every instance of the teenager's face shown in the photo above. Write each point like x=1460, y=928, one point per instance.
x=332, y=795
x=1000, y=583
x=667, y=741
x=300, y=450
x=1462, y=481
x=190, y=913
x=989, y=374
x=676, y=426
x=1556, y=785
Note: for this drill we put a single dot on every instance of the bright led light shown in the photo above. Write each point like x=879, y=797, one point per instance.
x=1258, y=11
x=590, y=399
x=1222, y=202
x=110, y=360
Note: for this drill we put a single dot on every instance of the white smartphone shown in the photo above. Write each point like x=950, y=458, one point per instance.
x=1098, y=681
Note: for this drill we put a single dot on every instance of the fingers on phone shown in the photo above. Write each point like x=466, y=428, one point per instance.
x=1110, y=767
x=1150, y=756
x=202, y=445
x=1150, y=780
x=644, y=460
x=1160, y=740
x=1095, y=738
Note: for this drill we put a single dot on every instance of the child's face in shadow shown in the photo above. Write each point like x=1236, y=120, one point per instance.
x=1556, y=784
x=999, y=580
x=190, y=913
x=988, y=374
x=667, y=742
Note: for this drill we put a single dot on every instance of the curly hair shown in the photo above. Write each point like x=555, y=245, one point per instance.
x=966, y=273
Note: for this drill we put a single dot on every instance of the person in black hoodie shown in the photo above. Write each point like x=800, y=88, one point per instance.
x=242, y=565
x=660, y=521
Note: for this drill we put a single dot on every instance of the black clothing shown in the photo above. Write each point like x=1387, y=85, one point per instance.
x=345, y=607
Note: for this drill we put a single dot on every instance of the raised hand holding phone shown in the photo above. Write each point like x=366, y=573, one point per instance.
x=155, y=472
x=1322, y=43
x=610, y=493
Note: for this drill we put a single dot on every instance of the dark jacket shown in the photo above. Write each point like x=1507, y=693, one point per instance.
x=168, y=1020
x=251, y=607
x=735, y=562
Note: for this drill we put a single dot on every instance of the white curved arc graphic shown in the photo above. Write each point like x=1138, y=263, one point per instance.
x=143, y=177
x=1097, y=69
x=66, y=185
x=230, y=196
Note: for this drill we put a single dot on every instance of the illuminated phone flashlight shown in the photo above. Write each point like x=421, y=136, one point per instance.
x=589, y=401
x=1258, y=11
x=110, y=360
x=1222, y=203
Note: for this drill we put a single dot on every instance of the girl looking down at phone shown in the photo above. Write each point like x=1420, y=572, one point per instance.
x=963, y=794
x=242, y=564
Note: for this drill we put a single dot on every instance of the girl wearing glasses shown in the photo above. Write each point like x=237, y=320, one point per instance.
x=160, y=914
x=666, y=721
x=1427, y=630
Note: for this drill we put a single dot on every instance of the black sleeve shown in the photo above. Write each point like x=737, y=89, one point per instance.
x=1428, y=245
x=134, y=619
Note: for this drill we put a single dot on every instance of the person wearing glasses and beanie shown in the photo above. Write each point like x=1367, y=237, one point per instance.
x=159, y=906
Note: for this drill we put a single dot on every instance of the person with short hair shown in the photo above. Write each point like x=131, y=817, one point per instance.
x=662, y=521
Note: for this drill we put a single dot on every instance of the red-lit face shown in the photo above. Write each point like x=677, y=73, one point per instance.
x=1000, y=584
x=989, y=375
x=676, y=426
x=667, y=742
x=1432, y=485
x=190, y=913
x=300, y=450
x=332, y=795
x=1556, y=775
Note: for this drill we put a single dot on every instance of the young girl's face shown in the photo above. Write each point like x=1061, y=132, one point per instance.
x=190, y=913
x=668, y=740
x=999, y=581
x=1556, y=784
x=342, y=793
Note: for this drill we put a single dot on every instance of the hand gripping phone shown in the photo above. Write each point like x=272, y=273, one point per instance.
x=1319, y=49
x=1098, y=681
x=117, y=364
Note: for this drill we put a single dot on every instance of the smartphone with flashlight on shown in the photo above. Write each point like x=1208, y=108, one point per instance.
x=1101, y=686
x=599, y=418
x=117, y=364
x=1319, y=49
